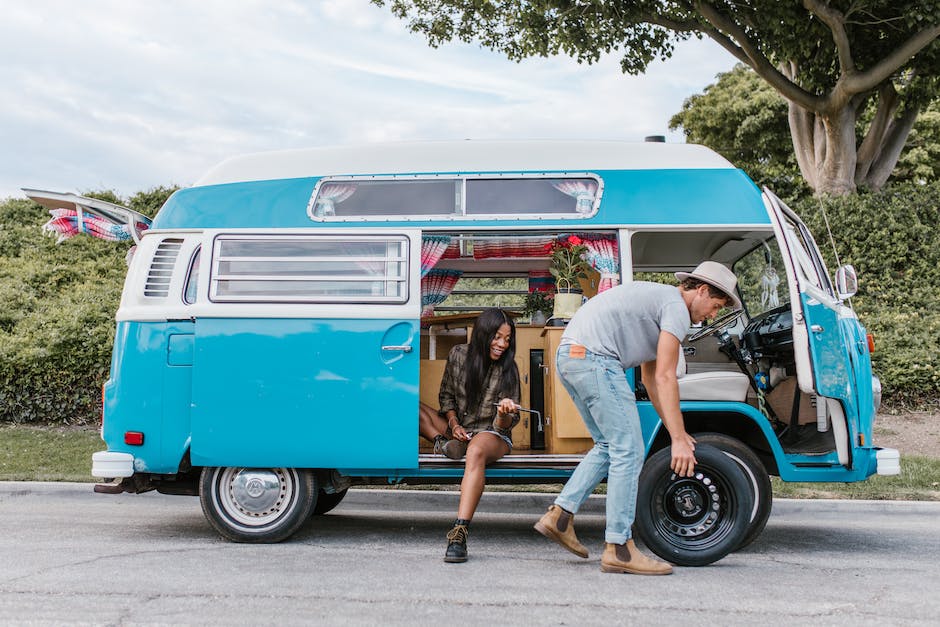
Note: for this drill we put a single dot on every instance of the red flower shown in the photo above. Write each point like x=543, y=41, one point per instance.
x=574, y=240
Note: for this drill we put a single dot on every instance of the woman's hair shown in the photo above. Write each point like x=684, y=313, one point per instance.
x=478, y=356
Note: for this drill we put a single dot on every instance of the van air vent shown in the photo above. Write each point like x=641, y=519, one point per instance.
x=161, y=268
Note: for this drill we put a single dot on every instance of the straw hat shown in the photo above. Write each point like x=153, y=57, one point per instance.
x=715, y=275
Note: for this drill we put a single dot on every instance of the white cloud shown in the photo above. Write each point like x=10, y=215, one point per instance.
x=130, y=95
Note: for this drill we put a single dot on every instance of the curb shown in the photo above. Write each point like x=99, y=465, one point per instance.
x=393, y=499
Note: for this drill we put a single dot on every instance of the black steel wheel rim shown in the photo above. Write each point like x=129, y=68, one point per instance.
x=694, y=512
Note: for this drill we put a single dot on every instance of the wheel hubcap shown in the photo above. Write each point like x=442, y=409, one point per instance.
x=255, y=496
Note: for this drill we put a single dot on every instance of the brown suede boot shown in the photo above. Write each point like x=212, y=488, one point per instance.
x=558, y=525
x=625, y=558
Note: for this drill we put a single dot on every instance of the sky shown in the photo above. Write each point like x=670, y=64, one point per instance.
x=129, y=95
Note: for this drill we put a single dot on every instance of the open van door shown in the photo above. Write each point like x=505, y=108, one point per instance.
x=822, y=349
x=307, y=355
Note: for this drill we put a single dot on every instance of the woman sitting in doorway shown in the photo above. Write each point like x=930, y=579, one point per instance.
x=479, y=399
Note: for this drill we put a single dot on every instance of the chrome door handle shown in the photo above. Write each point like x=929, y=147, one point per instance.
x=816, y=328
x=404, y=348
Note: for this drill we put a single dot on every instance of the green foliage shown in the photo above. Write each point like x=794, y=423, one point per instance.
x=891, y=238
x=538, y=301
x=831, y=59
x=742, y=118
x=57, y=321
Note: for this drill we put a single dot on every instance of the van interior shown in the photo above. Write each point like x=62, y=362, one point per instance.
x=750, y=360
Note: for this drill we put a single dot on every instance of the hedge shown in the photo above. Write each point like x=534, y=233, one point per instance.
x=892, y=239
x=57, y=319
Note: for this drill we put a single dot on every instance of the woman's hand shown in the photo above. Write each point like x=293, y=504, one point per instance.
x=504, y=407
x=460, y=433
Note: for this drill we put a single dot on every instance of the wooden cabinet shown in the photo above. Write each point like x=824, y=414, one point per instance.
x=566, y=432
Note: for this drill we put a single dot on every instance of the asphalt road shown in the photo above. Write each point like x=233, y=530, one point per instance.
x=68, y=556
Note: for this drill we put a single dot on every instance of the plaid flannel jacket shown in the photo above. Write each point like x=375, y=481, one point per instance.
x=453, y=394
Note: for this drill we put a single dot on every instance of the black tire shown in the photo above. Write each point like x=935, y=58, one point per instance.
x=693, y=521
x=326, y=501
x=761, y=488
x=259, y=505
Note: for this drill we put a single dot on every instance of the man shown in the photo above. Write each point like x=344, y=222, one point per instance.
x=636, y=324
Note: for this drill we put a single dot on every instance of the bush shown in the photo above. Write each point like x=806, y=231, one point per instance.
x=57, y=319
x=891, y=238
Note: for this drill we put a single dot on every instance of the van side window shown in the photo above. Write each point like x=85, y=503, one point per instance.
x=310, y=269
x=192, y=279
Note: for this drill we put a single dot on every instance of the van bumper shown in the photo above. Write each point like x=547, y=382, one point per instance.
x=109, y=465
x=889, y=461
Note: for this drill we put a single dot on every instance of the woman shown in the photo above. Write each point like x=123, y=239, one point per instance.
x=479, y=399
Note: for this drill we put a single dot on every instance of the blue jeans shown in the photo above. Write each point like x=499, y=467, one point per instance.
x=599, y=389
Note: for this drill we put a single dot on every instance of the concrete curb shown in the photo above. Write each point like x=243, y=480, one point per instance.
x=491, y=502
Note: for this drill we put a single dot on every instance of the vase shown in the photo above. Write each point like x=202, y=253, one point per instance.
x=538, y=318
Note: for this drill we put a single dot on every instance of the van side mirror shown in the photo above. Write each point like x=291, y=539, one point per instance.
x=846, y=282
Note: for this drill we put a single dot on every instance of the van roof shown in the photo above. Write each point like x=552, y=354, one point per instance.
x=463, y=156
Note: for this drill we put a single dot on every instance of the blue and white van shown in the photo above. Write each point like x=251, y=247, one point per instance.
x=283, y=317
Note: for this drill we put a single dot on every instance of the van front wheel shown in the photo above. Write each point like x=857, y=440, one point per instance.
x=693, y=521
x=257, y=504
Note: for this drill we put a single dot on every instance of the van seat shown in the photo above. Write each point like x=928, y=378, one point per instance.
x=719, y=385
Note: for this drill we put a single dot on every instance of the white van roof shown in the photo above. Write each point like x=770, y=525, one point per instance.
x=463, y=156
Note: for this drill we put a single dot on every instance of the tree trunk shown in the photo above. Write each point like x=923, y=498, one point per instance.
x=825, y=148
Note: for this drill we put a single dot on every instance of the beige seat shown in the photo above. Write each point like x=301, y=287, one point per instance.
x=716, y=385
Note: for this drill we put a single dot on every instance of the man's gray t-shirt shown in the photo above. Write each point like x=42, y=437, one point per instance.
x=624, y=322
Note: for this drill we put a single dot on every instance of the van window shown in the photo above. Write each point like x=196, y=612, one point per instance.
x=310, y=268
x=192, y=279
x=518, y=197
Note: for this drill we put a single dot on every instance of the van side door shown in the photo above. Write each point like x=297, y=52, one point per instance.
x=306, y=353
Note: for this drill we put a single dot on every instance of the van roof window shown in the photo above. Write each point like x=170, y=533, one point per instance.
x=448, y=196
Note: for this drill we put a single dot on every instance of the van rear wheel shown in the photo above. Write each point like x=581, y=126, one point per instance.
x=693, y=521
x=259, y=505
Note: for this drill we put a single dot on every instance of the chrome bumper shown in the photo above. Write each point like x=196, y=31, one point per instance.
x=108, y=465
x=889, y=461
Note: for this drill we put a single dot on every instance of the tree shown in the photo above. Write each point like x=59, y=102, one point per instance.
x=829, y=59
x=743, y=119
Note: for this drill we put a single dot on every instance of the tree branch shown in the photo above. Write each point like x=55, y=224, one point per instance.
x=871, y=145
x=864, y=81
x=836, y=23
x=896, y=138
x=730, y=31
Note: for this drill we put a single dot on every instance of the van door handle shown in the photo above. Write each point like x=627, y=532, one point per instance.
x=404, y=348
x=816, y=328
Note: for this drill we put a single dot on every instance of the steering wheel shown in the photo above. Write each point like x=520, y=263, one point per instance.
x=721, y=322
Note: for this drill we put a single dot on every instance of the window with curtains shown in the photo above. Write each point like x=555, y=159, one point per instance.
x=506, y=196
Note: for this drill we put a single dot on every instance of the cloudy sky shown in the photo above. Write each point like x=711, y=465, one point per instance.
x=128, y=95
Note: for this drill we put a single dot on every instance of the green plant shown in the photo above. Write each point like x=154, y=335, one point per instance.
x=538, y=301
x=567, y=261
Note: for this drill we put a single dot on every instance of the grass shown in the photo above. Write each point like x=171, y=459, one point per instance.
x=30, y=453
x=919, y=481
x=34, y=453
